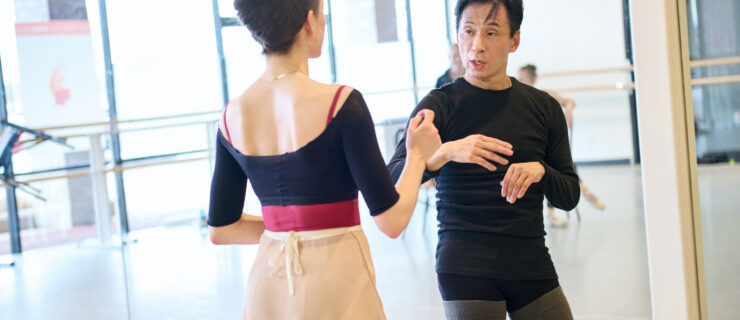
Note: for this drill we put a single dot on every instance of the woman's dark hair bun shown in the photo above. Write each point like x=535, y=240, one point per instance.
x=274, y=24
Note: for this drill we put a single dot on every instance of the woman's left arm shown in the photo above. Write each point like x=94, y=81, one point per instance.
x=227, y=223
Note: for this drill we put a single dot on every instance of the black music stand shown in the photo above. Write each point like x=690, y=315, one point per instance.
x=11, y=133
x=8, y=140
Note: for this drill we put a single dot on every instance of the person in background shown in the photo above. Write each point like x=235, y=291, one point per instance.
x=456, y=69
x=528, y=75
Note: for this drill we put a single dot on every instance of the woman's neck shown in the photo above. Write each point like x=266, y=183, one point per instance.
x=279, y=65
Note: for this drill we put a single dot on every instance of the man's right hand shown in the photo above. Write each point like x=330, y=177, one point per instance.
x=478, y=149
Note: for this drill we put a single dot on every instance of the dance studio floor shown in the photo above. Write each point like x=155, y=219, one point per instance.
x=173, y=272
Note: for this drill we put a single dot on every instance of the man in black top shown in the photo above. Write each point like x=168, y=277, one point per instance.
x=505, y=147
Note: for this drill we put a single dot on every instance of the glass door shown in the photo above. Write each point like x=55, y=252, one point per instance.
x=714, y=45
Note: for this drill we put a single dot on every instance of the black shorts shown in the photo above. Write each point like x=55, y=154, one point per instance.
x=516, y=293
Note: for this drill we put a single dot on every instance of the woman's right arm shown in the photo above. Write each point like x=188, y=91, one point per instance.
x=422, y=140
x=433, y=101
x=227, y=223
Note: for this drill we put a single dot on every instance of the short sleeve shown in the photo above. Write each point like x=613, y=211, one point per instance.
x=228, y=187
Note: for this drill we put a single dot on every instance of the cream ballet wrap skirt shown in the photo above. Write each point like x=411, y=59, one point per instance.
x=322, y=274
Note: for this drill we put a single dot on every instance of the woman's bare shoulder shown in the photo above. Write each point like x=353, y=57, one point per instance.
x=328, y=92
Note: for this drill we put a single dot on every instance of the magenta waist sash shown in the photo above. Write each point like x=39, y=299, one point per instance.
x=311, y=217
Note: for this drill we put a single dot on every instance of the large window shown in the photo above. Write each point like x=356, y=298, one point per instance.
x=165, y=64
x=431, y=44
x=51, y=79
x=48, y=55
x=373, y=54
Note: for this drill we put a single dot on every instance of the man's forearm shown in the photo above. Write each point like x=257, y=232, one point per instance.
x=437, y=161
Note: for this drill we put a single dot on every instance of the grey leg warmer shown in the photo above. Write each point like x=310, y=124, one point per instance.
x=475, y=310
x=551, y=306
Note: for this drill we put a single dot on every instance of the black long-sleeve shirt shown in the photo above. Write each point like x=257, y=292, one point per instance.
x=480, y=233
x=345, y=157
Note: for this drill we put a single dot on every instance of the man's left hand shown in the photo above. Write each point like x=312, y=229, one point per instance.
x=518, y=178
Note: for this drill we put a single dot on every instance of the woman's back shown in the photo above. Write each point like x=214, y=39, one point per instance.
x=281, y=116
x=284, y=141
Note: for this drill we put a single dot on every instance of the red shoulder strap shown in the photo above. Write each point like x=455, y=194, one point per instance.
x=333, y=105
x=226, y=127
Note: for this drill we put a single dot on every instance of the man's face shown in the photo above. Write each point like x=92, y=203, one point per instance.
x=485, y=44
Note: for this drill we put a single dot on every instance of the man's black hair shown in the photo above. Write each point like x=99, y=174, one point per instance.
x=513, y=7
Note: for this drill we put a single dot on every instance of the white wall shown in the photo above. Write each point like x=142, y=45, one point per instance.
x=574, y=35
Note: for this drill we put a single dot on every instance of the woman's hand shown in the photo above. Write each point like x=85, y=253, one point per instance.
x=422, y=137
x=247, y=230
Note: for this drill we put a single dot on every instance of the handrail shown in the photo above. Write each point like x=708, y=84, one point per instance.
x=180, y=124
x=104, y=123
x=694, y=64
x=617, y=86
x=714, y=62
x=412, y=89
x=714, y=80
x=126, y=166
x=151, y=163
x=586, y=71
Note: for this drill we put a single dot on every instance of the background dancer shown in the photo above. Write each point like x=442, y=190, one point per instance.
x=528, y=75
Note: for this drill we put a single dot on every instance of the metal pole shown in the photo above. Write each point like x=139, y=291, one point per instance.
x=211, y=143
x=633, y=96
x=220, y=47
x=113, y=114
x=13, y=221
x=447, y=22
x=332, y=53
x=412, y=49
x=99, y=189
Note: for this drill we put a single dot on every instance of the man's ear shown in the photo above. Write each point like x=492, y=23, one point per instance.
x=515, y=41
